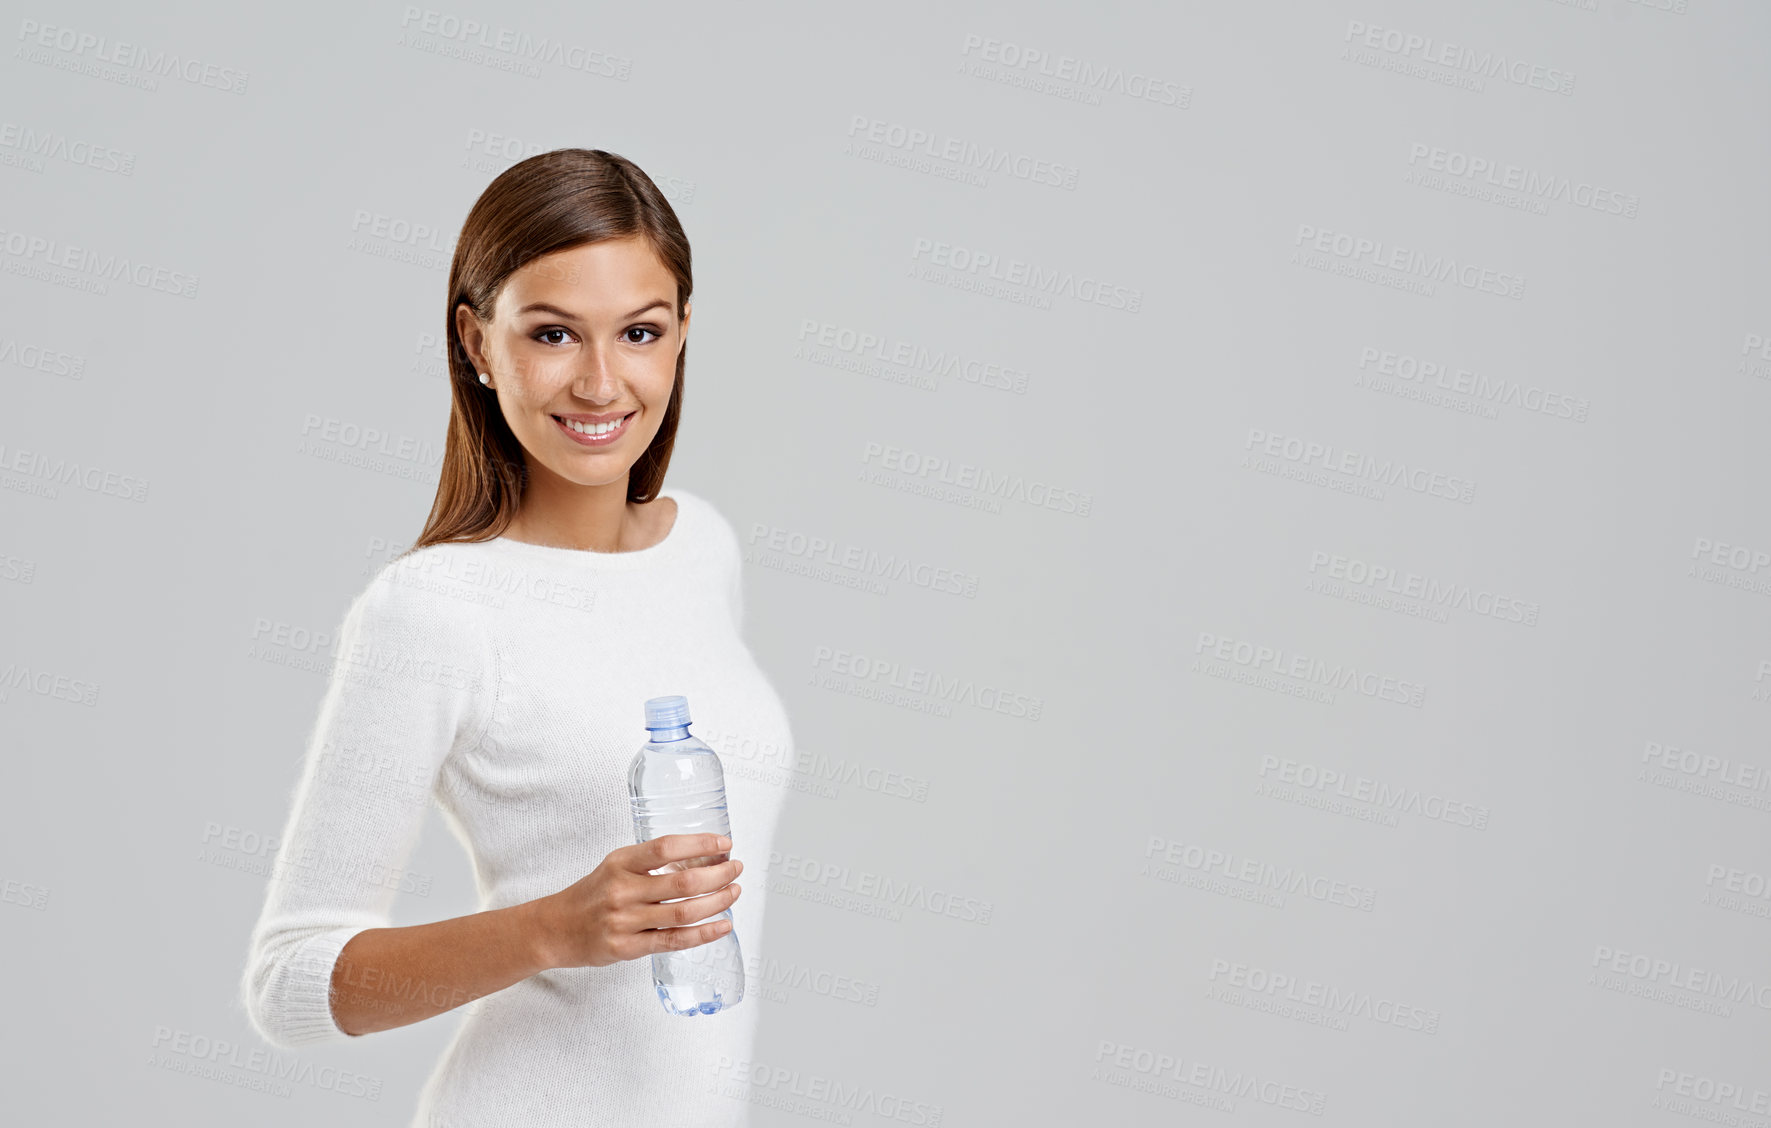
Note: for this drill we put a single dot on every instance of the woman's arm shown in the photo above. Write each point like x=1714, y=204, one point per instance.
x=414, y=679
x=622, y=910
x=388, y=977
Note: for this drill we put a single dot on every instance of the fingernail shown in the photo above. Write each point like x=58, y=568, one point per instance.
x=724, y=842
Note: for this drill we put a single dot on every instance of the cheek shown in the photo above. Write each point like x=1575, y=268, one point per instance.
x=660, y=379
x=522, y=401
x=533, y=383
x=520, y=421
x=532, y=375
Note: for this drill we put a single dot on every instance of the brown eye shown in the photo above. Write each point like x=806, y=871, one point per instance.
x=639, y=329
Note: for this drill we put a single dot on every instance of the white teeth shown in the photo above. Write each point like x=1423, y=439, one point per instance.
x=592, y=428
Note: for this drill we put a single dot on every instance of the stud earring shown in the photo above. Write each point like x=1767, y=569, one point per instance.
x=485, y=379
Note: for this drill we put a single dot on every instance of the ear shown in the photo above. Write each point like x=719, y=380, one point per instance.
x=473, y=336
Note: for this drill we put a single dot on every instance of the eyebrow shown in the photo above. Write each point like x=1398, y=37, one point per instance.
x=544, y=307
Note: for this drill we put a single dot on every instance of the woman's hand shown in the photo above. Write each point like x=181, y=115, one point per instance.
x=616, y=912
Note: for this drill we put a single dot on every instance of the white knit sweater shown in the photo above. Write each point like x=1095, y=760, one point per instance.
x=505, y=682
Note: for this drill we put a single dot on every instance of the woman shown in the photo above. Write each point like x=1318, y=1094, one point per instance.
x=500, y=667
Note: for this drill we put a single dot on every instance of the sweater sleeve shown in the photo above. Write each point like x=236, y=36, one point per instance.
x=409, y=684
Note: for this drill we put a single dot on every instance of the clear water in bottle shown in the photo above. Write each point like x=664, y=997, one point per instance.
x=678, y=787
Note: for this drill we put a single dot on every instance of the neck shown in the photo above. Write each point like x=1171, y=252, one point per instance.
x=567, y=515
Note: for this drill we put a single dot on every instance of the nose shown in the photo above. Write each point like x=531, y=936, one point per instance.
x=595, y=379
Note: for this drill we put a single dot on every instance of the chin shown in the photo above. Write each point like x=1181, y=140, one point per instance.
x=602, y=478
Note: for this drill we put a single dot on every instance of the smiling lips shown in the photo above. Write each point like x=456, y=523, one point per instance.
x=591, y=430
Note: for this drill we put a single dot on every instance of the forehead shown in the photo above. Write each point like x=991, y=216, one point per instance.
x=605, y=278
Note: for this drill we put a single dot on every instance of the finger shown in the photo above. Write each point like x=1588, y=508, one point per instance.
x=648, y=856
x=676, y=939
x=673, y=885
x=689, y=910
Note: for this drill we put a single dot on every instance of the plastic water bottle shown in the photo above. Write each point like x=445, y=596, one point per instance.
x=678, y=787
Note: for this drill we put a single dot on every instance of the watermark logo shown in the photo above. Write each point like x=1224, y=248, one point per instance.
x=1343, y=470
x=1398, y=267
x=963, y=483
x=1387, y=588
x=1197, y=1082
x=1225, y=872
x=1014, y=280
x=42, y=358
x=1739, y=566
x=1071, y=78
x=899, y=361
x=1737, y=890
x=916, y=687
x=1287, y=995
x=1705, y=774
x=816, y=1096
x=1296, y=674
x=1479, y=395
x=1361, y=797
x=45, y=475
x=832, y=560
x=120, y=61
x=1518, y=187
x=59, y=263
x=1675, y=984
x=869, y=892
x=450, y=36
x=22, y=677
x=1448, y=64
x=30, y=149
x=963, y=159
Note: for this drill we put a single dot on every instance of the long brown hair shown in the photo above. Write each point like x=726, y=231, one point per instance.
x=546, y=203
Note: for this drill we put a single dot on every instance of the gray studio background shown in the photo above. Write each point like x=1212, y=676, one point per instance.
x=1096, y=393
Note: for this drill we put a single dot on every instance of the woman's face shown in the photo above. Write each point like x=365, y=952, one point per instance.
x=582, y=350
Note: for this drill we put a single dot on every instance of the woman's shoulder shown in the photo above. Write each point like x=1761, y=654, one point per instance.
x=702, y=514
x=409, y=630
x=427, y=594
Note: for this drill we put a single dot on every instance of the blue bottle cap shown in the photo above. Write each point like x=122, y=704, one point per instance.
x=667, y=712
